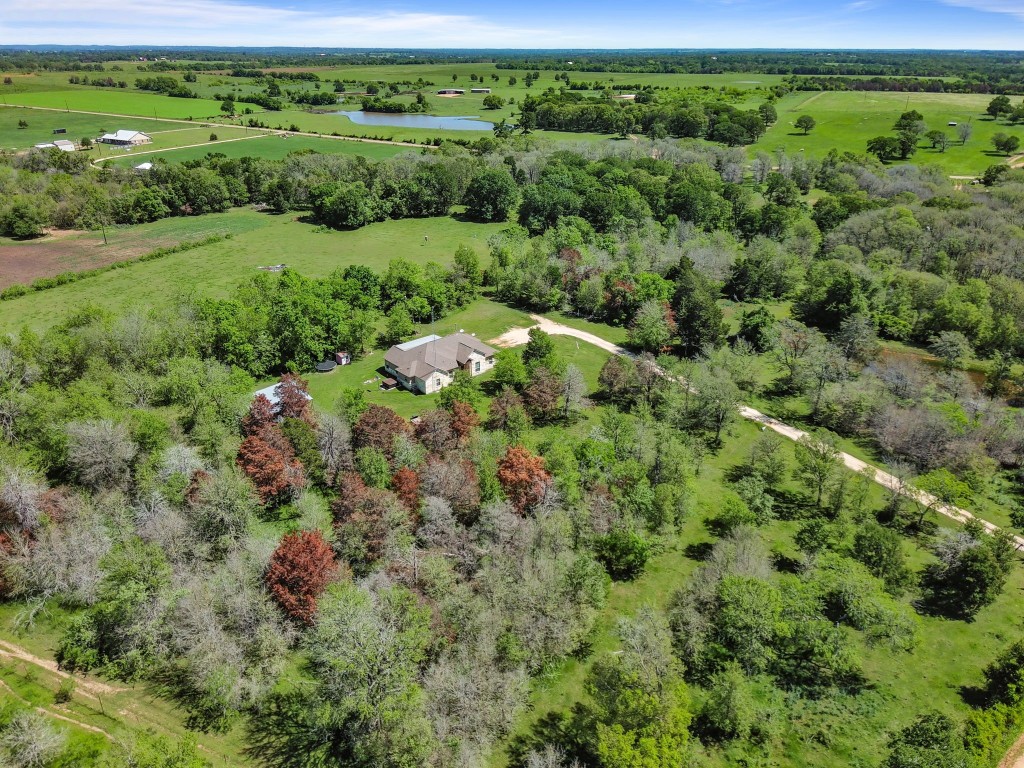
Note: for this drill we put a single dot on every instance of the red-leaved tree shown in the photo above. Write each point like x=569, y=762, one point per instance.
x=272, y=467
x=464, y=419
x=377, y=427
x=406, y=484
x=300, y=569
x=260, y=417
x=523, y=478
x=365, y=513
x=293, y=399
x=435, y=431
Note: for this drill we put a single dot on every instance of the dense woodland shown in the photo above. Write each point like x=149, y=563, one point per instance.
x=419, y=578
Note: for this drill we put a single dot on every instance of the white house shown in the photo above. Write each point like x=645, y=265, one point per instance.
x=429, y=364
x=125, y=138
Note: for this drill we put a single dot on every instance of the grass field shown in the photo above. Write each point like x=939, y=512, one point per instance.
x=263, y=240
x=840, y=730
x=269, y=147
x=24, y=261
x=118, y=102
x=847, y=120
x=41, y=125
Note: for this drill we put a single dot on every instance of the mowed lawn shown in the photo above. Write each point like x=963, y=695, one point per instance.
x=847, y=120
x=270, y=239
x=269, y=147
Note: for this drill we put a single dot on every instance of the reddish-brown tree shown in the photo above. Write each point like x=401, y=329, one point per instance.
x=406, y=484
x=195, y=486
x=455, y=481
x=434, y=430
x=541, y=395
x=293, y=399
x=273, y=468
x=523, y=478
x=300, y=569
x=260, y=417
x=500, y=407
x=464, y=419
x=377, y=428
x=366, y=512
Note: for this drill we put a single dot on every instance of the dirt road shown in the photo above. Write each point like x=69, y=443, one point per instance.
x=518, y=336
x=85, y=684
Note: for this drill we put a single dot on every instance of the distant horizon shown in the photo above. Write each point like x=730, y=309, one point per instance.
x=44, y=47
x=870, y=25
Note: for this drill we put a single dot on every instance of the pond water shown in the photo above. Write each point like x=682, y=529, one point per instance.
x=464, y=123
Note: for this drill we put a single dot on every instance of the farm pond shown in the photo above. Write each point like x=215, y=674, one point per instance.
x=465, y=123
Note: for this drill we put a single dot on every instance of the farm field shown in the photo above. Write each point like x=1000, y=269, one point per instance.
x=41, y=125
x=117, y=102
x=847, y=120
x=269, y=147
x=24, y=261
x=265, y=240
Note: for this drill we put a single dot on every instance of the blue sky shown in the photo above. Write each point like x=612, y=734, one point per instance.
x=953, y=24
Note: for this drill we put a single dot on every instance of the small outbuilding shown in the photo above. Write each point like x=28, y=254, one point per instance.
x=479, y=90
x=143, y=167
x=343, y=357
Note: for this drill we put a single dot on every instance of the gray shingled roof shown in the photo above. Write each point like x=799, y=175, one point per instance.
x=444, y=354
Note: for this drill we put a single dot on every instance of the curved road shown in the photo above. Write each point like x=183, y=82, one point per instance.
x=518, y=336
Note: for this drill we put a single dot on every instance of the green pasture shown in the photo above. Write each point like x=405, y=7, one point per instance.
x=269, y=147
x=118, y=102
x=41, y=124
x=267, y=240
x=846, y=120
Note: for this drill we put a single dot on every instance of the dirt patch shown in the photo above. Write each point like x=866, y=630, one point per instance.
x=71, y=251
x=11, y=651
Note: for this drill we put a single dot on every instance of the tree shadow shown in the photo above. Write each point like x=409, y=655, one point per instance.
x=699, y=551
x=789, y=505
x=783, y=563
x=974, y=696
x=552, y=728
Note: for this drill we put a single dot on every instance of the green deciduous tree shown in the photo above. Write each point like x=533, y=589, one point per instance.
x=805, y=123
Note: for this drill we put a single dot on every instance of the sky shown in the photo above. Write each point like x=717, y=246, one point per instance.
x=931, y=24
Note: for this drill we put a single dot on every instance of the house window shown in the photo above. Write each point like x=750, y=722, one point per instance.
x=437, y=382
x=476, y=367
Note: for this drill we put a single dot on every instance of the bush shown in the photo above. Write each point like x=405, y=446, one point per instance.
x=623, y=553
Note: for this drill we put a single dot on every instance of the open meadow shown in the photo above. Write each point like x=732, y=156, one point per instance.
x=270, y=146
x=259, y=240
x=846, y=120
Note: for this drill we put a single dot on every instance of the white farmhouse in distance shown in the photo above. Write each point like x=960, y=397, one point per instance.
x=125, y=138
x=429, y=364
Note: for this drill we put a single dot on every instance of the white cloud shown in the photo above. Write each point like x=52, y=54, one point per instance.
x=1008, y=7
x=212, y=22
